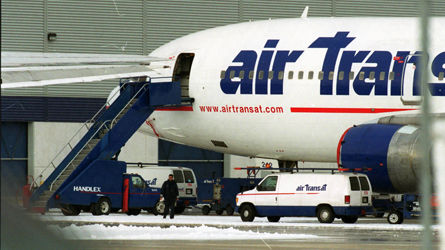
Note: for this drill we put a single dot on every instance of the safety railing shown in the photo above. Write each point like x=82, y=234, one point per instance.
x=104, y=124
x=67, y=148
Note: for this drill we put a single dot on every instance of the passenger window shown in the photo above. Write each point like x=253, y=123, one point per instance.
x=300, y=75
x=223, y=74
x=261, y=75
x=269, y=184
x=372, y=75
x=137, y=182
x=354, y=184
x=251, y=74
x=270, y=74
x=310, y=75
x=232, y=74
x=361, y=76
x=331, y=75
x=364, y=183
x=290, y=75
x=280, y=75
x=241, y=74
x=382, y=76
x=341, y=75
x=441, y=76
x=351, y=75
x=178, y=177
x=188, y=175
x=320, y=75
x=391, y=76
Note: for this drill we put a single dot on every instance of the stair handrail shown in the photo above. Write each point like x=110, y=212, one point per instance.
x=69, y=143
x=104, y=124
x=114, y=121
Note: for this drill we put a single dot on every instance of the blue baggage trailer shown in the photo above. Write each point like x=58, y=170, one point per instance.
x=220, y=194
x=106, y=187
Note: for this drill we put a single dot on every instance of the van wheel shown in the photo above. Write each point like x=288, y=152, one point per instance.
x=230, y=210
x=247, y=213
x=325, y=214
x=159, y=208
x=103, y=206
x=70, y=210
x=273, y=218
x=219, y=211
x=205, y=210
x=133, y=211
x=349, y=219
x=94, y=209
x=179, y=209
x=395, y=217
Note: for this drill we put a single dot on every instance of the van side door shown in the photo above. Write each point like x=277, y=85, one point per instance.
x=190, y=189
x=179, y=178
x=365, y=190
x=355, y=192
x=266, y=198
x=136, y=192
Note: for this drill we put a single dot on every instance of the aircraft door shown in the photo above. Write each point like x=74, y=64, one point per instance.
x=181, y=72
x=411, y=77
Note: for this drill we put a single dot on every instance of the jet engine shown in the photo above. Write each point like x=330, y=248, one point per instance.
x=389, y=154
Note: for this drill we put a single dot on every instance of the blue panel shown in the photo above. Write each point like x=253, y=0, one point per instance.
x=305, y=210
x=163, y=93
x=178, y=152
x=366, y=146
x=56, y=109
x=14, y=144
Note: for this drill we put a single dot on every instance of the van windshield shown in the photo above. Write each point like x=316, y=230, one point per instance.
x=364, y=183
x=269, y=184
x=188, y=176
x=354, y=184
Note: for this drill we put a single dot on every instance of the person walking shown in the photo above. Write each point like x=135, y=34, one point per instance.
x=170, y=193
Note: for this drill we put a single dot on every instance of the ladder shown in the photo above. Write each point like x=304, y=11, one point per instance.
x=104, y=134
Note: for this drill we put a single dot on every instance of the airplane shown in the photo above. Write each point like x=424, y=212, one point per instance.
x=303, y=89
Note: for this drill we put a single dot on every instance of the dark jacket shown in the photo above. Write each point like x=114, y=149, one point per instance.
x=170, y=190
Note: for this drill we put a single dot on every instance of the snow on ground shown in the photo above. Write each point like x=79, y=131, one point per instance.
x=122, y=232
x=229, y=221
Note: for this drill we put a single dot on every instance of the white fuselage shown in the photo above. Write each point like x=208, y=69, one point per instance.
x=306, y=118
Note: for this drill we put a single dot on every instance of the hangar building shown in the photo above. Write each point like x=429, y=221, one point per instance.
x=38, y=121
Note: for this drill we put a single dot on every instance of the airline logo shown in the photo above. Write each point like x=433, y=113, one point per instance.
x=152, y=182
x=308, y=187
x=337, y=57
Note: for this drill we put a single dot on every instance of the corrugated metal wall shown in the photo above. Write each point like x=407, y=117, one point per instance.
x=22, y=25
x=140, y=26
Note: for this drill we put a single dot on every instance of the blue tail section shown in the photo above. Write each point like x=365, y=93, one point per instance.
x=108, y=133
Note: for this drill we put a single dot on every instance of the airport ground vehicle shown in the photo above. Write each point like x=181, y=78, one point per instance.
x=324, y=195
x=184, y=177
x=106, y=187
x=220, y=194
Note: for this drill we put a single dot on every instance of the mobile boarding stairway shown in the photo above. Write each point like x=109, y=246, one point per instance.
x=105, y=134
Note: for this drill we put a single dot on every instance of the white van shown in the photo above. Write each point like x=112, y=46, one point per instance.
x=325, y=195
x=184, y=177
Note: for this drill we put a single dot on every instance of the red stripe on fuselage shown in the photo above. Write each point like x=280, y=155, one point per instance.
x=346, y=110
x=183, y=108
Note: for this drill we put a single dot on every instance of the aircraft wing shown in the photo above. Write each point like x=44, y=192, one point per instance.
x=29, y=69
